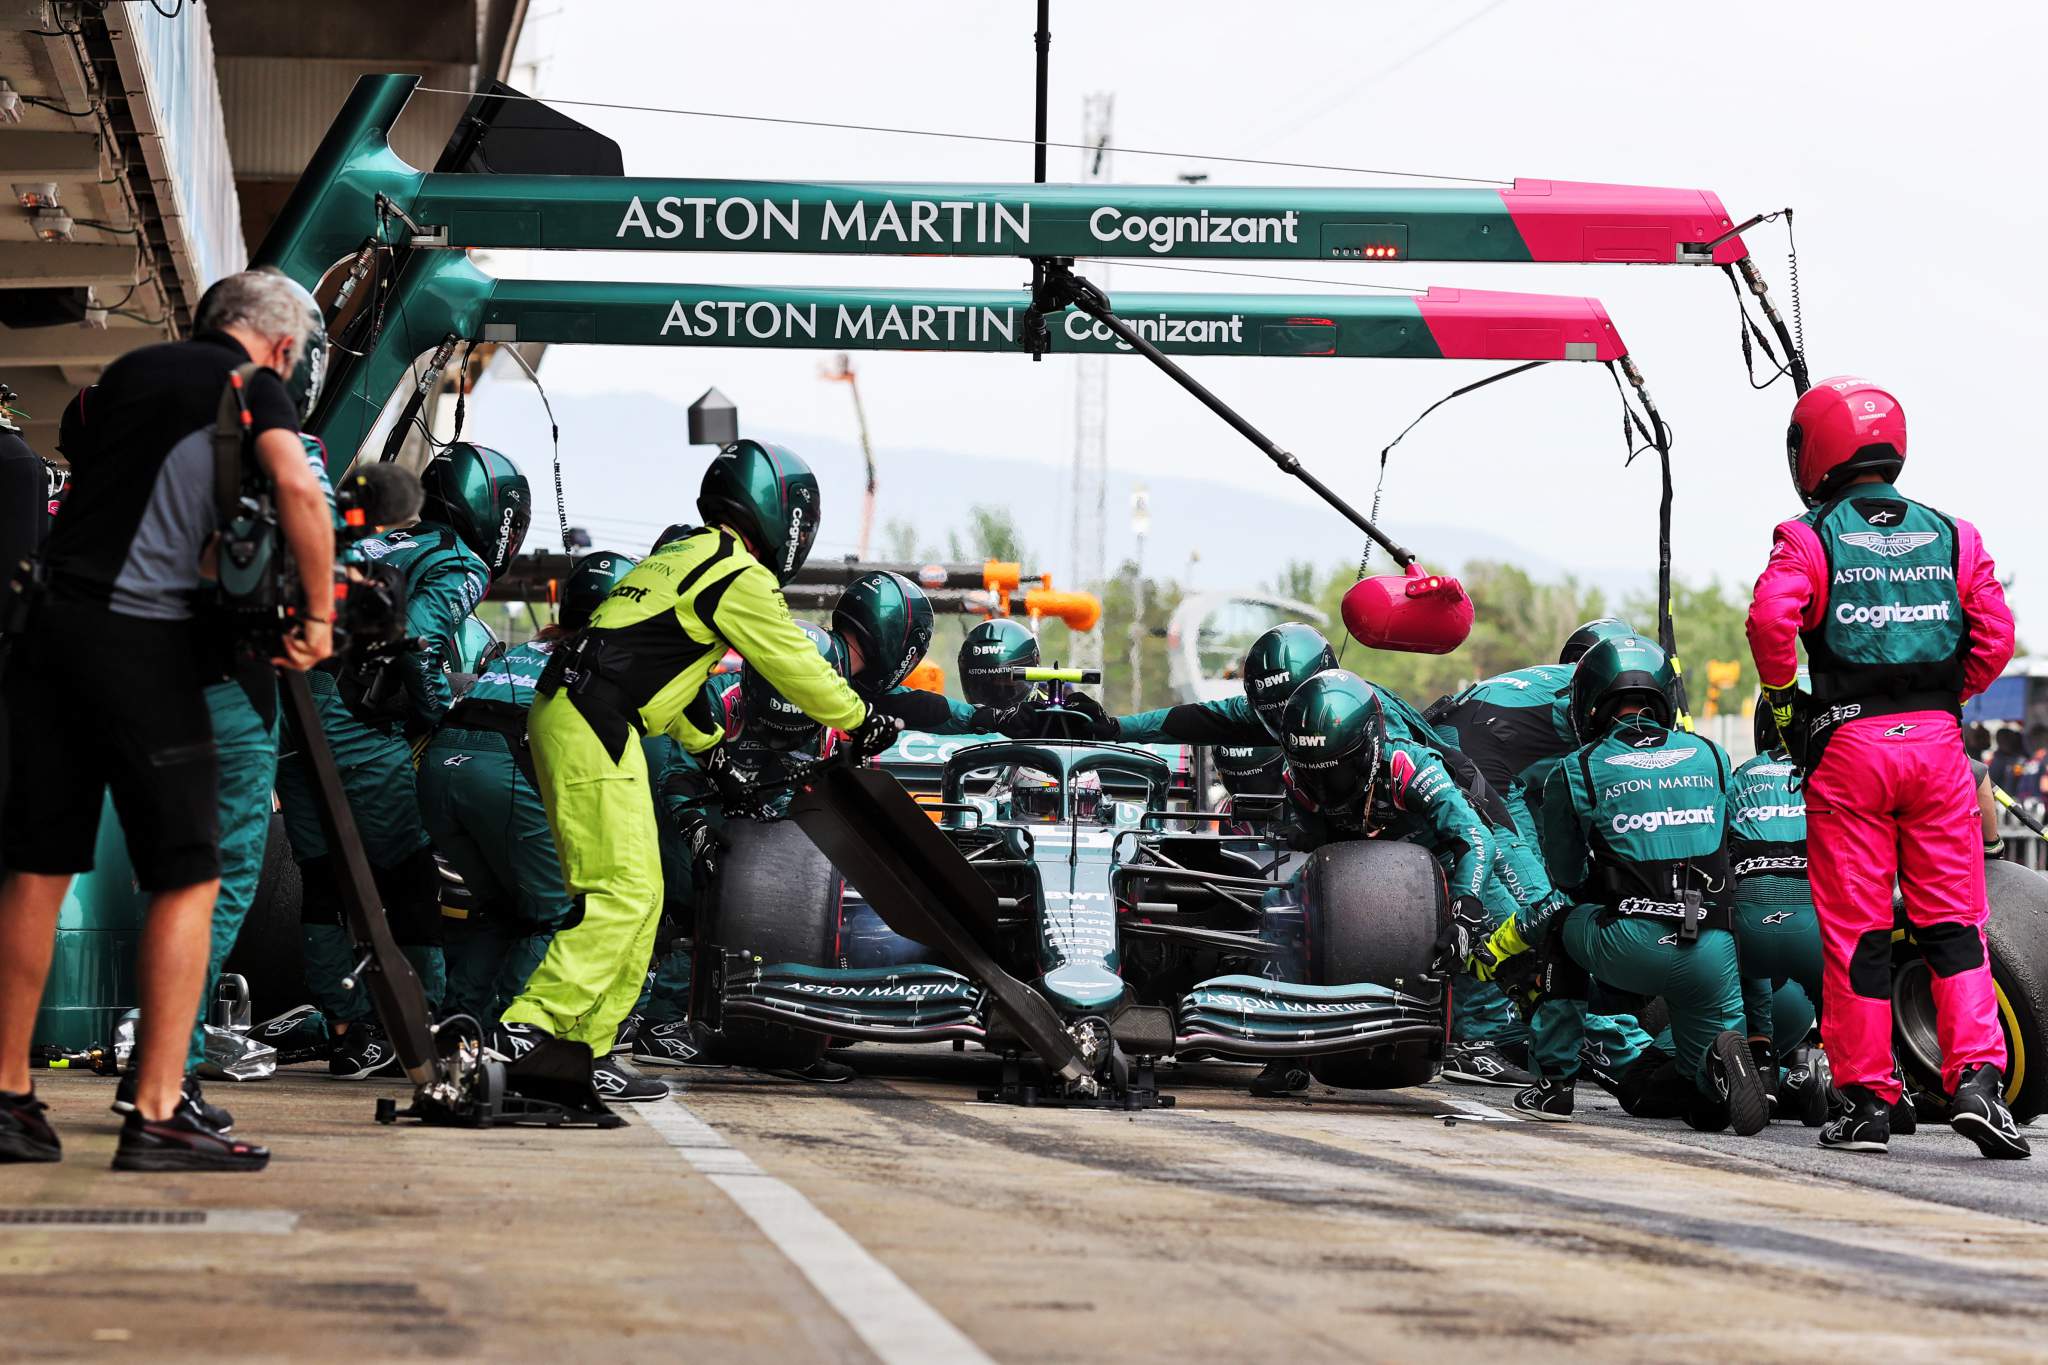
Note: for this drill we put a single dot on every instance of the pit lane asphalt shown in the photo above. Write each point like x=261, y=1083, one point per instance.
x=1332, y=1226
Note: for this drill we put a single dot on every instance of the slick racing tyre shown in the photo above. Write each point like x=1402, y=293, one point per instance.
x=778, y=900
x=2018, y=934
x=268, y=950
x=1374, y=913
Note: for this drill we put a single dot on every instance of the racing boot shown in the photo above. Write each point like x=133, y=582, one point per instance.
x=1803, y=1093
x=1282, y=1077
x=1737, y=1099
x=1766, y=1059
x=299, y=1035
x=1861, y=1122
x=1978, y=1112
x=1483, y=1063
x=628, y=1032
x=217, y=1118
x=361, y=1053
x=1905, y=1116
x=679, y=1042
x=183, y=1142
x=617, y=1085
x=1549, y=1100
x=509, y=1042
x=25, y=1135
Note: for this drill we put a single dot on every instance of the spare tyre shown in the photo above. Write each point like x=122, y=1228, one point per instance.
x=778, y=900
x=269, y=949
x=1374, y=912
x=2017, y=932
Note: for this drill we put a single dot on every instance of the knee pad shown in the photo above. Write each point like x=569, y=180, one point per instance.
x=319, y=892
x=1870, y=966
x=1950, y=947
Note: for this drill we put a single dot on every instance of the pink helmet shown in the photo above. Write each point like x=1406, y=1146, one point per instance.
x=1843, y=427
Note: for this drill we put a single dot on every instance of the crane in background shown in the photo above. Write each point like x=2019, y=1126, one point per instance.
x=841, y=371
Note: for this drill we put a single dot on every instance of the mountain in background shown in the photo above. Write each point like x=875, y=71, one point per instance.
x=628, y=472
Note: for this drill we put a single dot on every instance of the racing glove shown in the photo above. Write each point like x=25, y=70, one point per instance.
x=1787, y=707
x=1504, y=944
x=704, y=843
x=1096, y=722
x=1466, y=930
x=875, y=733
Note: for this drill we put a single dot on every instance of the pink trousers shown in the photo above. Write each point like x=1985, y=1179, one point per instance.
x=1894, y=800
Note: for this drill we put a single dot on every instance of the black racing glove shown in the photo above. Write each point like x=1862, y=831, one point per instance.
x=1099, y=724
x=704, y=843
x=875, y=733
x=1466, y=931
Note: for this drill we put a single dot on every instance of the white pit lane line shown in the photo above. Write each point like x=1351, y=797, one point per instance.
x=887, y=1315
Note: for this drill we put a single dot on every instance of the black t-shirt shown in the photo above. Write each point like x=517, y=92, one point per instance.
x=24, y=503
x=140, y=508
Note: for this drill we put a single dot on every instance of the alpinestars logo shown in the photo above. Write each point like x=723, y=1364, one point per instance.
x=1661, y=758
x=1779, y=918
x=1900, y=731
x=1891, y=545
x=1880, y=518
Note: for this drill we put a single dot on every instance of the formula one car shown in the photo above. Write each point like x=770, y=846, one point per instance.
x=1051, y=901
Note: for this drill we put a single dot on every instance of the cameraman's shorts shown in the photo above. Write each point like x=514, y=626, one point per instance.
x=99, y=700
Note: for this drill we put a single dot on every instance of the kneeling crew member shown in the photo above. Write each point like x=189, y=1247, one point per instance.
x=1634, y=830
x=639, y=668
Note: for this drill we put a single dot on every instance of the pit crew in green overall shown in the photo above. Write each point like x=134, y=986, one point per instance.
x=1347, y=778
x=1486, y=1030
x=472, y=523
x=1634, y=828
x=637, y=669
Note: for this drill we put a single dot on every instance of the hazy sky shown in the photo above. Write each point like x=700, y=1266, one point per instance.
x=1905, y=135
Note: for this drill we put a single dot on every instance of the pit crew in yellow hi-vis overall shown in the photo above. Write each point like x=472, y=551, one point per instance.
x=639, y=669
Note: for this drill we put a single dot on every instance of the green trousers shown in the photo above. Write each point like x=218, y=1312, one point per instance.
x=602, y=814
x=1700, y=982
x=492, y=827
x=248, y=771
x=1778, y=940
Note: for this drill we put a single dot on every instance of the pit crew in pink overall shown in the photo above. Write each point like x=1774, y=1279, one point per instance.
x=1903, y=619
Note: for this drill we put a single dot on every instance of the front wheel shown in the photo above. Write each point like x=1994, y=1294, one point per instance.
x=1374, y=913
x=777, y=900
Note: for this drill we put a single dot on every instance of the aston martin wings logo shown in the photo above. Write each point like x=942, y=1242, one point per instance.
x=1659, y=758
x=1891, y=545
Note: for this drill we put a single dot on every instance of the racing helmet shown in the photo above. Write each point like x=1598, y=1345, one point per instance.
x=1592, y=633
x=1278, y=662
x=987, y=657
x=1333, y=737
x=589, y=580
x=1034, y=796
x=1841, y=428
x=674, y=531
x=1614, y=672
x=888, y=619
x=71, y=429
x=303, y=383
x=770, y=496
x=1085, y=791
x=1248, y=769
x=772, y=719
x=470, y=646
x=481, y=496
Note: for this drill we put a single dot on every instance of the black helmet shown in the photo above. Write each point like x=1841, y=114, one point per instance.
x=589, y=580
x=771, y=718
x=482, y=497
x=1614, y=672
x=987, y=657
x=1279, y=661
x=888, y=620
x=1248, y=769
x=71, y=428
x=769, y=495
x=303, y=383
x=675, y=531
x=1592, y=633
x=1333, y=735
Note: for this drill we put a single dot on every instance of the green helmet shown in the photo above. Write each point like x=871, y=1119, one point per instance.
x=473, y=641
x=1592, y=633
x=589, y=580
x=888, y=619
x=1248, y=769
x=987, y=656
x=1333, y=735
x=769, y=495
x=303, y=383
x=1619, y=671
x=771, y=718
x=482, y=497
x=1279, y=661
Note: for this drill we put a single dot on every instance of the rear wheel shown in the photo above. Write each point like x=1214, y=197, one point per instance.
x=1374, y=914
x=269, y=948
x=2018, y=934
x=778, y=900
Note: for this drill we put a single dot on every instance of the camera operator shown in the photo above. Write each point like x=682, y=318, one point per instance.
x=107, y=690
